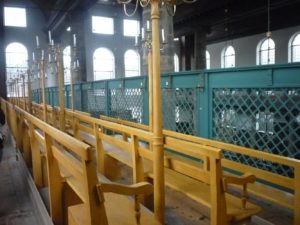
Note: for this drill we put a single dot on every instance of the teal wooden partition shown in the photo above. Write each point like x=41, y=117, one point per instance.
x=257, y=107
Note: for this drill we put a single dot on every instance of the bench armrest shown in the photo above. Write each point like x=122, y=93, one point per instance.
x=243, y=181
x=134, y=189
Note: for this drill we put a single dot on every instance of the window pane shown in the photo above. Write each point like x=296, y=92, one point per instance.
x=131, y=28
x=102, y=25
x=104, y=64
x=229, y=57
x=207, y=55
x=67, y=64
x=296, y=49
x=16, y=65
x=15, y=17
x=176, y=63
x=267, y=52
x=132, y=63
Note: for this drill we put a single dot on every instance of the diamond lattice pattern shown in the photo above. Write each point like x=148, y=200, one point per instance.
x=127, y=104
x=179, y=111
x=264, y=119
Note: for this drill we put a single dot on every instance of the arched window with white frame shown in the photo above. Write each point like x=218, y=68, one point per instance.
x=132, y=63
x=228, y=57
x=67, y=64
x=266, y=52
x=294, y=48
x=16, y=63
x=104, y=64
x=207, y=56
x=176, y=63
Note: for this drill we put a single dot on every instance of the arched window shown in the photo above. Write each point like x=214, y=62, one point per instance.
x=132, y=63
x=207, y=56
x=67, y=64
x=176, y=63
x=295, y=48
x=266, y=52
x=16, y=62
x=104, y=64
x=228, y=57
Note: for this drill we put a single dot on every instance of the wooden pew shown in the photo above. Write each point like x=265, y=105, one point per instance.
x=74, y=190
x=98, y=133
x=288, y=196
x=131, y=147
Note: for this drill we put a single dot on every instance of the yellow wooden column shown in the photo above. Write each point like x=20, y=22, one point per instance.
x=158, y=167
x=72, y=78
x=42, y=77
x=23, y=92
x=29, y=91
x=150, y=90
x=60, y=74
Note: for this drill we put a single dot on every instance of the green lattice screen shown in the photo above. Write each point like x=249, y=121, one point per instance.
x=127, y=104
x=96, y=101
x=267, y=119
x=179, y=111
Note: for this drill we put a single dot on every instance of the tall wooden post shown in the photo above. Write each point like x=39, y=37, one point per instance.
x=158, y=167
x=29, y=91
x=23, y=92
x=60, y=74
x=72, y=78
x=42, y=77
x=150, y=90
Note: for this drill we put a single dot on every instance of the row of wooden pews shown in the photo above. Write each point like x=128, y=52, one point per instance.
x=191, y=167
x=78, y=195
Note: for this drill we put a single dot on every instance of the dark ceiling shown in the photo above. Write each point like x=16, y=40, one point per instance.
x=220, y=19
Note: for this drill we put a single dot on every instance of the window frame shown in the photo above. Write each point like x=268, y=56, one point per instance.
x=138, y=66
x=260, y=51
x=98, y=31
x=176, y=65
x=225, y=57
x=137, y=31
x=291, y=48
x=113, y=71
x=7, y=17
x=207, y=59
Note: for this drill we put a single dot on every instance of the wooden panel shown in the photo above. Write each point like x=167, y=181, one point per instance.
x=237, y=149
x=265, y=175
x=71, y=165
x=79, y=148
x=192, y=149
x=116, y=142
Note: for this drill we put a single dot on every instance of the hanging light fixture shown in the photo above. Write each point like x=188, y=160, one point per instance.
x=269, y=34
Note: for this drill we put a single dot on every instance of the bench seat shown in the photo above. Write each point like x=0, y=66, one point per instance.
x=119, y=210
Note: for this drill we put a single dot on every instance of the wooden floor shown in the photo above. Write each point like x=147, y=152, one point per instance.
x=16, y=204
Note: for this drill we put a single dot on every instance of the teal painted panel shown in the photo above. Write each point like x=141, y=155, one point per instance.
x=255, y=78
x=287, y=77
x=99, y=84
x=113, y=84
x=136, y=82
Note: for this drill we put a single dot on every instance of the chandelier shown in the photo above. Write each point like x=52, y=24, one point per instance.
x=144, y=3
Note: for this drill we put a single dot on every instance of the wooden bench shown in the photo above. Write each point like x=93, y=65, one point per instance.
x=288, y=196
x=108, y=146
x=121, y=148
x=74, y=190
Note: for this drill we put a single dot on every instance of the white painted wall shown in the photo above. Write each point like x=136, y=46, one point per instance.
x=245, y=48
